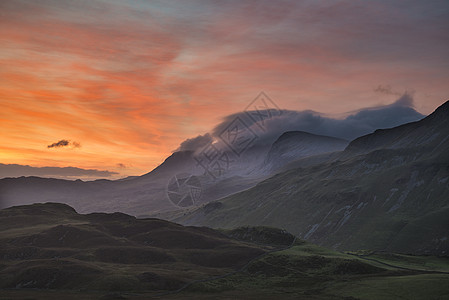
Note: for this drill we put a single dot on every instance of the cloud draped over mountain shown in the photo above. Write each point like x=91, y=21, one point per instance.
x=353, y=125
x=195, y=143
x=15, y=170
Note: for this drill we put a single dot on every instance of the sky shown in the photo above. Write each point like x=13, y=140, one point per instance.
x=107, y=89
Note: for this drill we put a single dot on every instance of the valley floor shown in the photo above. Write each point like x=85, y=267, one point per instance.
x=303, y=271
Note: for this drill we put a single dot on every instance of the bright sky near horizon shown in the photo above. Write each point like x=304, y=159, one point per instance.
x=120, y=84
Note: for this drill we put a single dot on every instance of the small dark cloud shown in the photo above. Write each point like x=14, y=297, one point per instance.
x=121, y=166
x=65, y=143
x=15, y=170
x=195, y=143
x=61, y=143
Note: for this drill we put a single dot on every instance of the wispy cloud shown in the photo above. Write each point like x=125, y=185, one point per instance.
x=386, y=89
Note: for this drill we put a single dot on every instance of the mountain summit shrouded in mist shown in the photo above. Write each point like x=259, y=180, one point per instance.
x=387, y=191
x=349, y=127
x=147, y=194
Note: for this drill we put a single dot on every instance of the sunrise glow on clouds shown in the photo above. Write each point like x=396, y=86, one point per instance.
x=130, y=80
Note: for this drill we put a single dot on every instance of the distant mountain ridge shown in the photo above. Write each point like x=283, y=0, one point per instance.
x=147, y=195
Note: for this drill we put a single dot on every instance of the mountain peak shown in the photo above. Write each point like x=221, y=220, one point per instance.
x=176, y=160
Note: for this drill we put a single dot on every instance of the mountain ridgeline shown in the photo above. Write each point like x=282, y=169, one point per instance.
x=388, y=190
x=147, y=194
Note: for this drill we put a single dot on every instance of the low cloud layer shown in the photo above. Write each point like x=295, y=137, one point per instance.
x=355, y=124
x=14, y=170
x=195, y=143
x=64, y=143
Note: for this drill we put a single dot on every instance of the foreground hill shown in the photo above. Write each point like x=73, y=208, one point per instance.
x=48, y=251
x=50, y=246
x=387, y=191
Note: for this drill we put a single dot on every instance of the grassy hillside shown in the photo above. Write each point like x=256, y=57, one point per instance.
x=50, y=246
x=48, y=251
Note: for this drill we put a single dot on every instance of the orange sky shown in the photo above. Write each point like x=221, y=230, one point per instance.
x=130, y=81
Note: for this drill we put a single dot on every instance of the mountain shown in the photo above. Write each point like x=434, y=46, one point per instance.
x=186, y=179
x=294, y=145
x=150, y=194
x=142, y=195
x=49, y=251
x=180, y=161
x=388, y=190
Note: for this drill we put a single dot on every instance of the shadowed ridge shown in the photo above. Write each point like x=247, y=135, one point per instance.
x=173, y=161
